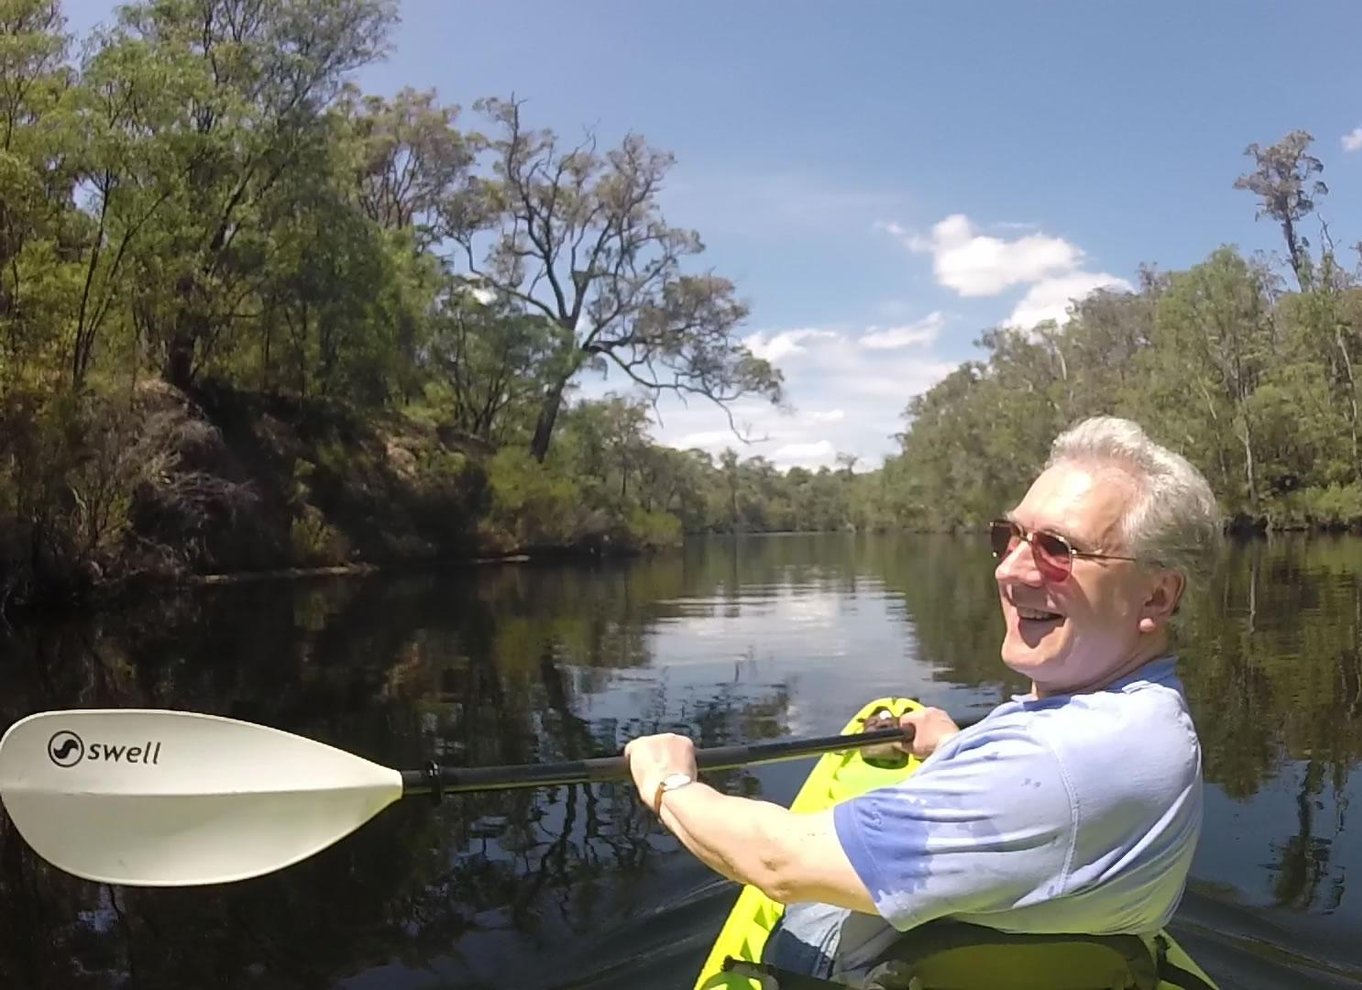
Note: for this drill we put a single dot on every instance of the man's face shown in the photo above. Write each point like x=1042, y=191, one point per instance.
x=1078, y=633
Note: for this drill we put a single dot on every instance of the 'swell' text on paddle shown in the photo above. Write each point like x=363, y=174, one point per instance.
x=159, y=798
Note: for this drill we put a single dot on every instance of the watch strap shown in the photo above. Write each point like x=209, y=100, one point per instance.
x=668, y=783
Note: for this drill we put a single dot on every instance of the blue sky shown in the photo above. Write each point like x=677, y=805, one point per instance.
x=883, y=181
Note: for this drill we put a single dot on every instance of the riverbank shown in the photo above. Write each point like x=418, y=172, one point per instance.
x=167, y=487
x=110, y=494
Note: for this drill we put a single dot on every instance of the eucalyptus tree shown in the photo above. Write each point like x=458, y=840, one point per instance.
x=578, y=236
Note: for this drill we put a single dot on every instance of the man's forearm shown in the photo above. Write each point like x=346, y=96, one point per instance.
x=733, y=836
x=789, y=857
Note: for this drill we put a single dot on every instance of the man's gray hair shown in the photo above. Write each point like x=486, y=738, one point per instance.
x=1173, y=520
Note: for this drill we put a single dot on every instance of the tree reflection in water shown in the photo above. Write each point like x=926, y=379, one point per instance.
x=730, y=640
x=475, y=672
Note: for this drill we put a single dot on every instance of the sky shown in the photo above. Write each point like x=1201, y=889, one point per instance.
x=884, y=181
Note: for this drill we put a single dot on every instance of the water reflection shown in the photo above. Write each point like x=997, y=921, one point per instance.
x=474, y=668
x=575, y=886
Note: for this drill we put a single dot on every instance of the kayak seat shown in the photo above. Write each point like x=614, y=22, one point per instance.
x=951, y=955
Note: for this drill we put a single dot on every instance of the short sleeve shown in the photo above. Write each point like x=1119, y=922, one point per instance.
x=987, y=824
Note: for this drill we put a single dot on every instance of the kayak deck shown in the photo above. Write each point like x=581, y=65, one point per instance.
x=834, y=778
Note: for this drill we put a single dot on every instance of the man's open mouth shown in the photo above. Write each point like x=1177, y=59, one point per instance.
x=1036, y=615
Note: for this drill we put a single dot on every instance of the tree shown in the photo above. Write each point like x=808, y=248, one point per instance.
x=1286, y=192
x=728, y=466
x=231, y=96
x=38, y=226
x=493, y=362
x=409, y=159
x=1102, y=345
x=322, y=315
x=579, y=237
x=610, y=440
x=674, y=481
x=1216, y=320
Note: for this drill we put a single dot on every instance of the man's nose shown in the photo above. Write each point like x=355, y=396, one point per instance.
x=1018, y=565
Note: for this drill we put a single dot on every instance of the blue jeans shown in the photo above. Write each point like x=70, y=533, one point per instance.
x=806, y=939
x=831, y=943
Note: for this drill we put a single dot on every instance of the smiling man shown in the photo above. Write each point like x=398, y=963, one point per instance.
x=1072, y=809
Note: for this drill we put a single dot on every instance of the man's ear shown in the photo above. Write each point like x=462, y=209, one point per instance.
x=1163, y=600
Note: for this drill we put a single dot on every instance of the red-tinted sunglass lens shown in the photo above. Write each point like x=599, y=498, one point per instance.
x=1003, y=536
x=1054, y=558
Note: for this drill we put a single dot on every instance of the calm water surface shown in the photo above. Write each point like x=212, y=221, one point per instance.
x=726, y=640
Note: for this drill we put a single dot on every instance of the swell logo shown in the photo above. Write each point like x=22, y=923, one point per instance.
x=66, y=749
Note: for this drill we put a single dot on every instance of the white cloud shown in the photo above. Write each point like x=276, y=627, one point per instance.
x=1051, y=298
x=784, y=344
x=975, y=264
x=710, y=440
x=1352, y=141
x=845, y=398
x=924, y=331
x=831, y=416
x=899, y=388
x=815, y=454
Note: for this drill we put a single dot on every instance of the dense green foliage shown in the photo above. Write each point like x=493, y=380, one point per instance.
x=1253, y=382
x=252, y=317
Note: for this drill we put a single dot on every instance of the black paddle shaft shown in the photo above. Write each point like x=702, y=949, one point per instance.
x=453, y=780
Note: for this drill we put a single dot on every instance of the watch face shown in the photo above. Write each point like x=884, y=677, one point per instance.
x=674, y=780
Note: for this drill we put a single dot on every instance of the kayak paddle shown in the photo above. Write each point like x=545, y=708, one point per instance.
x=155, y=798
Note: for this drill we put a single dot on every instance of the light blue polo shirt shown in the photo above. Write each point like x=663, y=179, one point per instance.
x=1075, y=813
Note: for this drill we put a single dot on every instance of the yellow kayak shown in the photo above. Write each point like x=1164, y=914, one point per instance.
x=836, y=777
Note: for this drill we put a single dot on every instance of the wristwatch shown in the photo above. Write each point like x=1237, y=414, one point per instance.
x=671, y=782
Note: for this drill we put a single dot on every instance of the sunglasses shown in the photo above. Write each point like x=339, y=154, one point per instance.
x=1053, y=554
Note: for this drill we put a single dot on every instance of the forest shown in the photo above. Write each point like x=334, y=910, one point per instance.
x=253, y=318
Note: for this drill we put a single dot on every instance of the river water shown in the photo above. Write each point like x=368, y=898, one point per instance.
x=728, y=640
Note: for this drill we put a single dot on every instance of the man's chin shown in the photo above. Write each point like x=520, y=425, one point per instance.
x=1021, y=667
x=1026, y=659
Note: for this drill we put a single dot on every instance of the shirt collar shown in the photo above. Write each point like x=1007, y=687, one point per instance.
x=1160, y=670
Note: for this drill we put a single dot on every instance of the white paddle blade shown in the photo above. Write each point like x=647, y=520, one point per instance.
x=170, y=799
